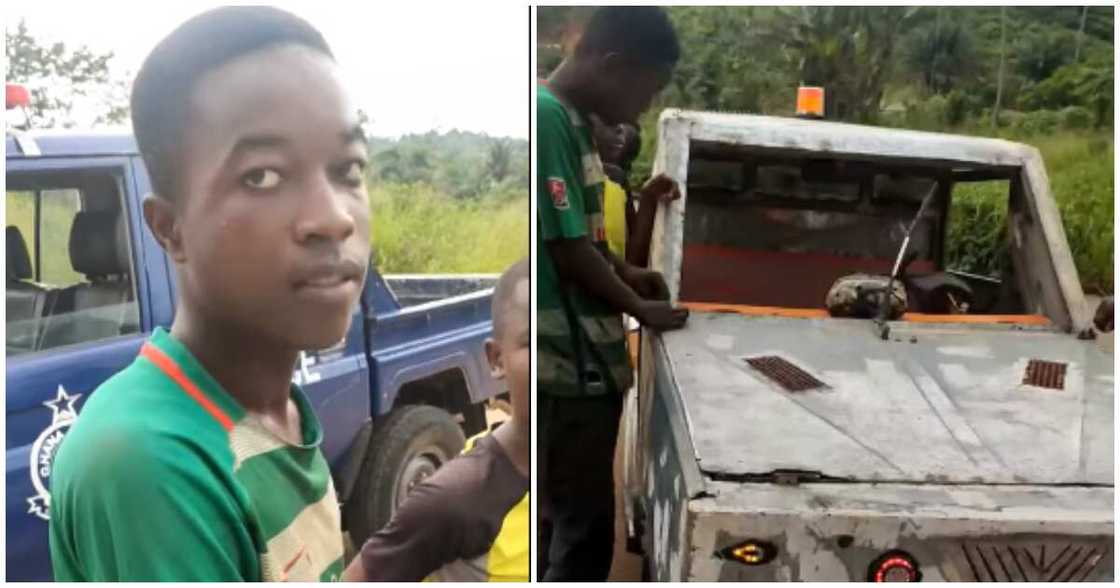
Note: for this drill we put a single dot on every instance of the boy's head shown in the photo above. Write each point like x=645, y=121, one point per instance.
x=617, y=144
x=257, y=165
x=629, y=53
x=508, y=350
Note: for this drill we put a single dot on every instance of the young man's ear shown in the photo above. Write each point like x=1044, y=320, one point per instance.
x=494, y=357
x=163, y=220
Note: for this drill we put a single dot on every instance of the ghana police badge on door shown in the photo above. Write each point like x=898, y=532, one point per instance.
x=45, y=448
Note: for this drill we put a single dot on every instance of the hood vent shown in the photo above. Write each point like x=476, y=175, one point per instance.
x=1045, y=374
x=784, y=373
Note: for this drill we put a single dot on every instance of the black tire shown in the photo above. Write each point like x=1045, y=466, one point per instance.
x=408, y=445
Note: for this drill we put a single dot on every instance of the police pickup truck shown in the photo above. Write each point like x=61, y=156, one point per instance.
x=964, y=433
x=87, y=283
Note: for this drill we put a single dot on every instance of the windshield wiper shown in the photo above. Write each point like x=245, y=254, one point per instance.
x=885, y=301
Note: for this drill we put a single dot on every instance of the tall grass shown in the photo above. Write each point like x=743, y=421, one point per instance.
x=1080, y=168
x=418, y=229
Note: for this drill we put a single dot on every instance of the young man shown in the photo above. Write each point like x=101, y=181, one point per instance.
x=469, y=522
x=629, y=230
x=624, y=58
x=201, y=460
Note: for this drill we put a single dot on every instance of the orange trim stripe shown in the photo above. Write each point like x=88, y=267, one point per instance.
x=173, y=371
x=756, y=310
x=910, y=317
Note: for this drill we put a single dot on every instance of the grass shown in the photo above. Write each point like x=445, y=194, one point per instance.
x=1080, y=168
x=417, y=229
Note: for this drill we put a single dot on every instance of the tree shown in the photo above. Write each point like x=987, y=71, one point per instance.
x=1080, y=34
x=848, y=50
x=499, y=158
x=60, y=78
x=1002, y=59
x=1042, y=51
x=944, y=54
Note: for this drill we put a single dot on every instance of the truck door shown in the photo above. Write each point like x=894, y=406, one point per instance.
x=336, y=381
x=74, y=318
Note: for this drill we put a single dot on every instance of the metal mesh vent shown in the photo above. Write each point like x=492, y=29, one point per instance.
x=784, y=373
x=1045, y=374
x=989, y=562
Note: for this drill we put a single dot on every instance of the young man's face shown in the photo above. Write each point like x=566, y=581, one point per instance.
x=509, y=351
x=273, y=215
x=629, y=89
x=609, y=139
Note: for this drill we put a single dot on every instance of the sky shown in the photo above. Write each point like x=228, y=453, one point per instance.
x=412, y=66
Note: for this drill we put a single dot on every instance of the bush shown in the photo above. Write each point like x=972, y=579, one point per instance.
x=418, y=229
x=1039, y=122
x=957, y=108
x=1075, y=118
x=928, y=114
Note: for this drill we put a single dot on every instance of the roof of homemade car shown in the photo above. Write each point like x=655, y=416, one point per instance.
x=72, y=143
x=819, y=136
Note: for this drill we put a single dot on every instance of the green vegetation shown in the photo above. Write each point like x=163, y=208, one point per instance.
x=1041, y=75
x=456, y=202
x=418, y=229
x=58, y=210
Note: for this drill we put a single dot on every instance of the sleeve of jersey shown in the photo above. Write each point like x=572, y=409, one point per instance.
x=560, y=206
x=138, y=515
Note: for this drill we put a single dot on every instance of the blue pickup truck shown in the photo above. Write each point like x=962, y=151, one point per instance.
x=87, y=283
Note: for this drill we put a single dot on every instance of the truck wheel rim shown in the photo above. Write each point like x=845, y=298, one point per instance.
x=419, y=467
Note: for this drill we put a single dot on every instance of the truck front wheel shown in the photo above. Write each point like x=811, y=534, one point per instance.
x=408, y=445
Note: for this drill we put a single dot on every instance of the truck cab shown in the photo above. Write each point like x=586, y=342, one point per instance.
x=774, y=438
x=87, y=283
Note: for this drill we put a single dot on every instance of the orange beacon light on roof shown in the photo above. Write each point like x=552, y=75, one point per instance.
x=810, y=102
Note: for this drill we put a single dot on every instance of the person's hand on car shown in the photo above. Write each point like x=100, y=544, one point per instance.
x=660, y=188
x=660, y=315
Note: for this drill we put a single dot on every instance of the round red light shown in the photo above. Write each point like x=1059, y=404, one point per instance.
x=894, y=566
x=16, y=95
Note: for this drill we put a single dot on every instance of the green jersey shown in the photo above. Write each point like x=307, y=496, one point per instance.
x=570, y=205
x=166, y=477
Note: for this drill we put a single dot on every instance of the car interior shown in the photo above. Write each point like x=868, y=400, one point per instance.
x=774, y=228
x=76, y=219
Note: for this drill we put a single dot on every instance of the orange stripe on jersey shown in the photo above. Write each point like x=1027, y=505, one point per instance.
x=173, y=371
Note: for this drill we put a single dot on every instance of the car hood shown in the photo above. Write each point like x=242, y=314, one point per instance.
x=937, y=404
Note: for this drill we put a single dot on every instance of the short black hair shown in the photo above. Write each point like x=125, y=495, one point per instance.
x=162, y=90
x=642, y=34
x=503, y=293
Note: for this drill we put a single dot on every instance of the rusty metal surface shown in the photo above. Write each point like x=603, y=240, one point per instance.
x=996, y=561
x=936, y=404
x=784, y=373
x=1045, y=374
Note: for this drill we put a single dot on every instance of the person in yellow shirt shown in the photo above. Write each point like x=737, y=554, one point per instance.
x=629, y=227
x=469, y=521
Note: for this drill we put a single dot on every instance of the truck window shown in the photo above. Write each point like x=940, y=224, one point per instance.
x=787, y=225
x=70, y=278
